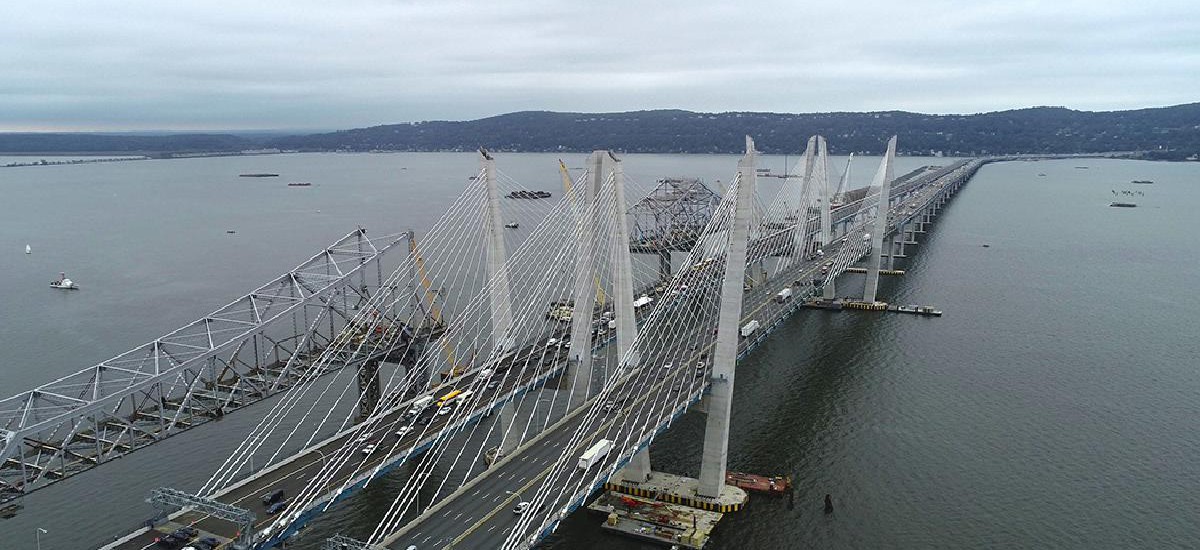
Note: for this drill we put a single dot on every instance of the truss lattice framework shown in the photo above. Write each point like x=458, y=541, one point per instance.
x=254, y=347
x=673, y=214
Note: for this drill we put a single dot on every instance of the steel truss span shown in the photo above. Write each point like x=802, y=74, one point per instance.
x=254, y=347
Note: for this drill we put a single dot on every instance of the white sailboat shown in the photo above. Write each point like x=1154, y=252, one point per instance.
x=28, y=249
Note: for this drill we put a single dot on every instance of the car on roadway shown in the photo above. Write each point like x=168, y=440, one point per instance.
x=364, y=437
x=403, y=431
x=169, y=541
x=272, y=497
x=445, y=411
x=370, y=448
x=523, y=507
x=277, y=507
x=186, y=532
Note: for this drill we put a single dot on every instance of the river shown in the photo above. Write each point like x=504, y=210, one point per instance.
x=1053, y=405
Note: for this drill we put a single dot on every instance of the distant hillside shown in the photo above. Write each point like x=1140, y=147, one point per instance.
x=1167, y=132
x=116, y=143
x=1036, y=130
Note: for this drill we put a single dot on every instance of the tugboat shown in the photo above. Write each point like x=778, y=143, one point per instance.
x=512, y=225
x=64, y=283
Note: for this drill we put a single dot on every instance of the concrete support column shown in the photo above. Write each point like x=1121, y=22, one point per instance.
x=664, y=264
x=622, y=266
x=368, y=388
x=579, y=358
x=638, y=469
x=512, y=434
x=824, y=191
x=498, y=289
x=884, y=180
x=800, y=233
x=716, y=432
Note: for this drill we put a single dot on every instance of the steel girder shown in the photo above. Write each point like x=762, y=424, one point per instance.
x=252, y=348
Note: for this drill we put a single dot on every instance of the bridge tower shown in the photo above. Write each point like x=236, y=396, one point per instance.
x=602, y=165
x=884, y=180
x=716, y=432
x=498, y=289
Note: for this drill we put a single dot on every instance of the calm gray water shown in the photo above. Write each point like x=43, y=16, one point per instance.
x=1053, y=406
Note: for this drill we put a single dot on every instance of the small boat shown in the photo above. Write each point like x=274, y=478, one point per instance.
x=1082, y=167
x=28, y=250
x=64, y=283
x=300, y=184
x=512, y=225
x=230, y=231
x=1142, y=182
x=1041, y=175
x=258, y=175
x=1123, y=204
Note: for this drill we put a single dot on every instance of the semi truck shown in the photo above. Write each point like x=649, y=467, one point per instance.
x=594, y=453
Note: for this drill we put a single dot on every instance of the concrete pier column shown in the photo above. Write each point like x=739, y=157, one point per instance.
x=498, y=289
x=368, y=388
x=824, y=191
x=622, y=270
x=512, y=434
x=801, y=231
x=664, y=264
x=579, y=358
x=884, y=180
x=716, y=432
x=638, y=469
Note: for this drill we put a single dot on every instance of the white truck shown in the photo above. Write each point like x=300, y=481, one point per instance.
x=749, y=328
x=784, y=295
x=594, y=453
x=642, y=302
x=419, y=405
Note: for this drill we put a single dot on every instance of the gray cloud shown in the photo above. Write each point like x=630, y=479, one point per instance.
x=310, y=64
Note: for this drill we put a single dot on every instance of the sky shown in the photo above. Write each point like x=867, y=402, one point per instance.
x=229, y=65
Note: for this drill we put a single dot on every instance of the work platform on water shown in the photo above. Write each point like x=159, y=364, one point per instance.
x=837, y=304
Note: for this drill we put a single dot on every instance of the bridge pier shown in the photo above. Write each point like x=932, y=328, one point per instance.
x=638, y=469
x=501, y=297
x=368, y=388
x=579, y=357
x=884, y=179
x=716, y=432
x=664, y=264
x=512, y=435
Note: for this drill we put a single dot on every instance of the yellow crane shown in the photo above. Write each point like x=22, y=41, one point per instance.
x=435, y=311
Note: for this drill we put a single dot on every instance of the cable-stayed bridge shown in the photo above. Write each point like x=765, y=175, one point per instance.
x=480, y=374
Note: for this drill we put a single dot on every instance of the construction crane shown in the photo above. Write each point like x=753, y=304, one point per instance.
x=435, y=312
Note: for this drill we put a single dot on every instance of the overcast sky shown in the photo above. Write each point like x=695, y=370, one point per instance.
x=127, y=65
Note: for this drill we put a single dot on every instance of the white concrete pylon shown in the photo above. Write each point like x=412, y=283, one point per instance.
x=498, y=289
x=579, y=357
x=716, y=432
x=883, y=180
x=622, y=266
